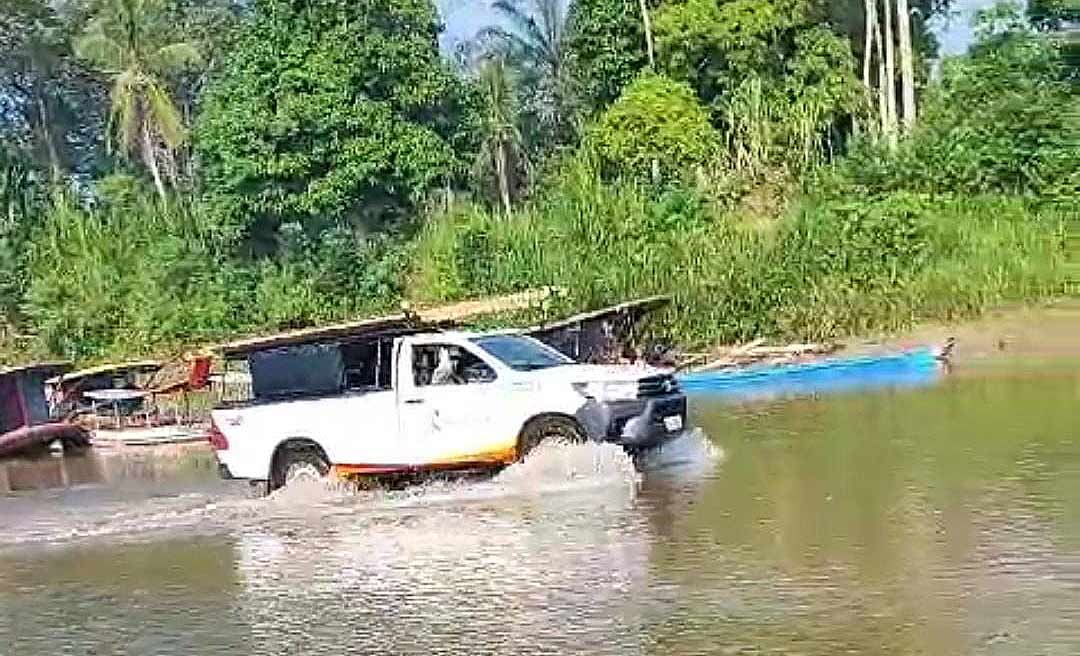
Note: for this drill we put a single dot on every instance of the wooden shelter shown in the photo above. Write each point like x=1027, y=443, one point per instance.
x=26, y=420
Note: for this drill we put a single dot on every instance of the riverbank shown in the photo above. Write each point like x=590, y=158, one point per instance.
x=1041, y=333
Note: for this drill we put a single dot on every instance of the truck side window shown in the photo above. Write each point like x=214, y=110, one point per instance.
x=443, y=364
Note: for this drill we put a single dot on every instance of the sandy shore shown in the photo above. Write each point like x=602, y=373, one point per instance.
x=1043, y=333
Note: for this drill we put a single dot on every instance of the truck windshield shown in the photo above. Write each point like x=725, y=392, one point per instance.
x=522, y=353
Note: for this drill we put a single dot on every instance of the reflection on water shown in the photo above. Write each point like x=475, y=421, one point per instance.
x=939, y=521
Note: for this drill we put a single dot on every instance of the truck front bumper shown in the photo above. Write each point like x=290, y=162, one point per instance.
x=635, y=424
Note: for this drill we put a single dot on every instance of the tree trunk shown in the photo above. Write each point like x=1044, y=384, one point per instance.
x=648, y=34
x=50, y=144
x=151, y=161
x=502, y=173
x=883, y=103
x=651, y=50
x=868, y=47
x=868, y=42
x=890, y=76
x=907, y=65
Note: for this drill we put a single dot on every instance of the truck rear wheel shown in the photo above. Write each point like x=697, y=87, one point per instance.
x=548, y=429
x=298, y=462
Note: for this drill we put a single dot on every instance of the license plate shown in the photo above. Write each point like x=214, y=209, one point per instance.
x=673, y=423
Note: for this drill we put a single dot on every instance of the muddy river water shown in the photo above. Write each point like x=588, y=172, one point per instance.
x=940, y=519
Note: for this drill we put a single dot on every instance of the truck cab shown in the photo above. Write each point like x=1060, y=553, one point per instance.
x=392, y=403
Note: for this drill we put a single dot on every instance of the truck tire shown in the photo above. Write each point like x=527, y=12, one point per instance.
x=545, y=429
x=298, y=461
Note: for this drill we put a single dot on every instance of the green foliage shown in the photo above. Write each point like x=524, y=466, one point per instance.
x=1003, y=118
x=333, y=112
x=328, y=124
x=127, y=278
x=826, y=270
x=779, y=84
x=1052, y=14
x=134, y=276
x=20, y=200
x=606, y=45
x=50, y=109
x=656, y=120
x=332, y=278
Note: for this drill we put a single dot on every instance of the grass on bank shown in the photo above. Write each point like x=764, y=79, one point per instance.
x=828, y=268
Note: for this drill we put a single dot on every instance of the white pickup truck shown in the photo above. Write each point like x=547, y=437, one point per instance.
x=394, y=403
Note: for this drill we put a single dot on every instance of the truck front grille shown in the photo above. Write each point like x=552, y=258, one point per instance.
x=662, y=385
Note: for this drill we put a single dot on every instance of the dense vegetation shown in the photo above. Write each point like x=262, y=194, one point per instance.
x=176, y=171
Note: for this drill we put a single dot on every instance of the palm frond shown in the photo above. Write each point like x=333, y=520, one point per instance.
x=124, y=115
x=163, y=114
x=498, y=40
x=524, y=27
x=100, y=50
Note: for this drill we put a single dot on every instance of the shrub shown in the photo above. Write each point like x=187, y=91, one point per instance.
x=655, y=120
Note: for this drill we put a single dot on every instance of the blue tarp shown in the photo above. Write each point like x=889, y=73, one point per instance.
x=909, y=368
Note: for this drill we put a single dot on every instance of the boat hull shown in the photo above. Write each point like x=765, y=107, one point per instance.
x=31, y=438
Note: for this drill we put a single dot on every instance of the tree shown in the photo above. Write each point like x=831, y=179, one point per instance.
x=332, y=112
x=127, y=41
x=501, y=145
x=1000, y=119
x=646, y=25
x=49, y=104
x=535, y=42
x=606, y=48
x=772, y=76
x=1053, y=14
x=656, y=121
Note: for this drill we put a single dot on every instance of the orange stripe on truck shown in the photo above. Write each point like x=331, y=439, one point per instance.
x=502, y=456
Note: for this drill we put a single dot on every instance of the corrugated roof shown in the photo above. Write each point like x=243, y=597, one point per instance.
x=52, y=366
x=642, y=304
x=436, y=318
x=352, y=329
x=104, y=369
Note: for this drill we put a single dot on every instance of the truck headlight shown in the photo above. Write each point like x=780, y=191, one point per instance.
x=606, y=391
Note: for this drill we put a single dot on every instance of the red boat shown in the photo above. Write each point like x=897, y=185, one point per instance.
x=26, y=424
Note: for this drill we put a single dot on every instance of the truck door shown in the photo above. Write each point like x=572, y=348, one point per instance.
x=447, y=399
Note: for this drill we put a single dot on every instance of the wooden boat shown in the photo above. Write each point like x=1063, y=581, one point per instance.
x=26, y=423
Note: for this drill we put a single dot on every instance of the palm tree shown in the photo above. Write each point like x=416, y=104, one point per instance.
x=127, y=41
x=535, y=40
x=502, y=143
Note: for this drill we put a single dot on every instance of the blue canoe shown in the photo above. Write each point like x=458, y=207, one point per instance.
x=909, y=368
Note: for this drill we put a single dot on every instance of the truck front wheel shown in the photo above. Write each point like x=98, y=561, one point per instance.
x=298, y=461
x=548, y=429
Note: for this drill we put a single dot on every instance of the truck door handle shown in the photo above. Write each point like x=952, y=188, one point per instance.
x=414, y=401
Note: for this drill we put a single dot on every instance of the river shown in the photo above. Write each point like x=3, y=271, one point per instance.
x=940, y=519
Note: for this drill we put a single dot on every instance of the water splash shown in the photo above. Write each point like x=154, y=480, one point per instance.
x=691, y=452
x=550, y=470
x=551, y=467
